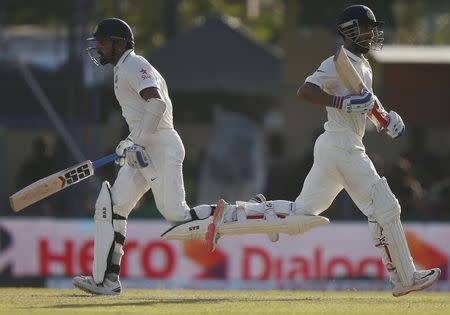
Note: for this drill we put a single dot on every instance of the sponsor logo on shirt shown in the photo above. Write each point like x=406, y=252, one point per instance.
x=144, y=74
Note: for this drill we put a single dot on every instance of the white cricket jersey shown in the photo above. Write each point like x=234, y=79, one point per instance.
x=132, y=74
x=328, y=80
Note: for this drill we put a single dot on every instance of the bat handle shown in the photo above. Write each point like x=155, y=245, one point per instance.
x=105, y=160
x=382, y=118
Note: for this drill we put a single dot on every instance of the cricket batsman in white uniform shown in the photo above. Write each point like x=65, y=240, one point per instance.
x=152, y=155
x=340, y=160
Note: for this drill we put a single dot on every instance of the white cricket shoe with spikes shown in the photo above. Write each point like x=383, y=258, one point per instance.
x=88, y=285
x=422, y=280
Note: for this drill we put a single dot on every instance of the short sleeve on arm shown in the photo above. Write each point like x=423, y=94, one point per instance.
x=142, y=77
x=325, y=76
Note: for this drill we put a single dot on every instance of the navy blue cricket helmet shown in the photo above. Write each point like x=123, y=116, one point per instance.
x=113, y=28
x=352, y=18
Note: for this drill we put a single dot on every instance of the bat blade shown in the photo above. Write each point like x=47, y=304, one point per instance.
x=51, y=184
x=352, y=80
x=347, y=72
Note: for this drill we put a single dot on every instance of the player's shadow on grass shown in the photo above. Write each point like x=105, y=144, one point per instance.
x=168, y=301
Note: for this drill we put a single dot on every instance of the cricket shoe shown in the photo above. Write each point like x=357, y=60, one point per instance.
x=212, y=235
x=422, y=280
x=88, y=284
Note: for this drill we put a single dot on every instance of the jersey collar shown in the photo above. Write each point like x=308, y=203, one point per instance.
x=354, y=57
x=124, y=56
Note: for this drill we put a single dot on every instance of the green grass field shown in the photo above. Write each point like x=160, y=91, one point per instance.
x=50, y=301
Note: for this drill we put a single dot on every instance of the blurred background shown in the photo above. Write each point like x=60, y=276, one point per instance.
x=233, y=68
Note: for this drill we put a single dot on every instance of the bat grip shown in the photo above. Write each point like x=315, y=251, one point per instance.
x=380, y=116
x=105, y=160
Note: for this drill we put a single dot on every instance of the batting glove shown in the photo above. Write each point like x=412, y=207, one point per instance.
x=354, y=103
x=136, y=156
x=396, y=127
x=120, y=150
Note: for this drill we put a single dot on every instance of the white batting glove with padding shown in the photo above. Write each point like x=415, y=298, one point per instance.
x=136, y=156
x=120, y=150
x=354, y=103
x=122, y=146
x=396, y=127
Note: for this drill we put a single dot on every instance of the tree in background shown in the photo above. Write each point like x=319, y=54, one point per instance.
x=407, y=21
x=408, y=16
x=156, y=21
x=441, y=34
x=153, y=22
x=421, y=22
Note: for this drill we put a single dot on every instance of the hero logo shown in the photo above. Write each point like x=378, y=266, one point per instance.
x=156, y=259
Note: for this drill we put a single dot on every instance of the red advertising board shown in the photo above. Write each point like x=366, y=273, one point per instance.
x=46, y=247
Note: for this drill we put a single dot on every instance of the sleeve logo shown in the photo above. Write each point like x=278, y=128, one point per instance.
x=144, y=74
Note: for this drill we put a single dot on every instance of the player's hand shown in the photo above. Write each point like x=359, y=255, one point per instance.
x=355, y=103
x=136, y=156
x=122, y=146
x=396, y=127
x=120, y=150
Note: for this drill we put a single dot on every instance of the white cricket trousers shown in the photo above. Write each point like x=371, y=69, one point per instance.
x=340, y=161
x=164, y=176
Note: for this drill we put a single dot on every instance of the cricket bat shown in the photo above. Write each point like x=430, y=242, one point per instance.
x=355, y=84
x=52, y=184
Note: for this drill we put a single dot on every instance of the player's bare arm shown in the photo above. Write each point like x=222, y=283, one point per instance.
x=150, y=92
x=313, y=94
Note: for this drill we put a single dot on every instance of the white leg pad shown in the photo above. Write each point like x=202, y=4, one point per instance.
x=281, y=207
x=269, y=214
x=104, y=232
x=120, y=232
x=269, y=210
x=201, y=211
x=379, y=241
x=387, y=214
x=399, y=250
x=294, y=224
